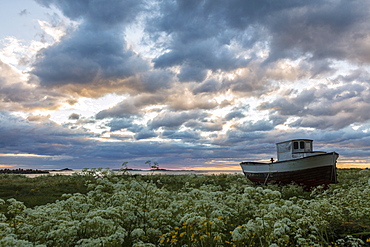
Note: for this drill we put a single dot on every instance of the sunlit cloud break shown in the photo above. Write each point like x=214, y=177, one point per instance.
x=187, y=84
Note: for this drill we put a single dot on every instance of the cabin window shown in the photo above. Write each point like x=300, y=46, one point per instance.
x=295, y=145
x=298, y=145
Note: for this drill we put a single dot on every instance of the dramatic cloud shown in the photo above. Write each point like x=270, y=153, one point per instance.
x=90, y=56
x=17, y=95
x=307, y=30
x=96, y=54
x=184, y=82
x=104, y=14
x=189, y=136
x=39, y=136
x=174, y=119
x=323, y=107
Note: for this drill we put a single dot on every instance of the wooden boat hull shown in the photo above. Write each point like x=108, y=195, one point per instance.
x=309, y=171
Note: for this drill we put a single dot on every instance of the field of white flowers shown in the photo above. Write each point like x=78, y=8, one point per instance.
x=195, y=210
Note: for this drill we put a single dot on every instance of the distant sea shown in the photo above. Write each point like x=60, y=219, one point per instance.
x=147, y=172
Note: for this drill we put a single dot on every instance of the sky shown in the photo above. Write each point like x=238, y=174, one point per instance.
x=189, y=84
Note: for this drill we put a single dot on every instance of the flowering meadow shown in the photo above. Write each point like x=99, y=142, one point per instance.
x=193, y=210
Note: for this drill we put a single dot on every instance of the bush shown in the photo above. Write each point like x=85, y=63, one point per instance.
x=194, y=210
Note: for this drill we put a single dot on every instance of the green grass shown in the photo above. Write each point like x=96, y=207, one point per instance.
x=39, y=190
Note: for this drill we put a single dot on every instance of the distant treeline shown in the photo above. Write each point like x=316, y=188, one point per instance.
x=22, y=171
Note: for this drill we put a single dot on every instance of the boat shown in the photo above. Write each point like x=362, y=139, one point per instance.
x=297, y=163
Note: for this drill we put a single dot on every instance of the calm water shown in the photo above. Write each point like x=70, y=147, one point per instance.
x=149, y=172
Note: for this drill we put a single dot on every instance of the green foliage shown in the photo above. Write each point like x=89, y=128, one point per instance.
x=193, y=210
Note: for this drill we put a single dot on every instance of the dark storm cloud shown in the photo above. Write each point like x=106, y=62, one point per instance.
x=128, y=124
x=74, y=116
x=124, y=109
x=260, y=125
x=19, y=96
x=209, y=86
x=201, y=31
x=322, y=30
x=234, y=114
x=183, y=135
x=38, y=135
x=120, y=123
x=152, y=81
x=256, y=79
x=324, y=107
x=42, y=137
x=197, y=20
x=132, y=106
x=201, y=37
x=192, y=73
x=207, y=54
x=357, y=75
x=199, y=50
x=89, y=56
x=104, y=13
x=96, y=51
x=16, y=95
x=318, y=69
x=174, y=99
x=205, y=125
x=174, y=119
x=145, y=134
x=242, y=138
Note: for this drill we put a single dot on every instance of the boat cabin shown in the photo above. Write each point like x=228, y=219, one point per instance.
x=295, y=149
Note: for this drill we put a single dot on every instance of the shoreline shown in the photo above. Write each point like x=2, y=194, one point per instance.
x=30, y=171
